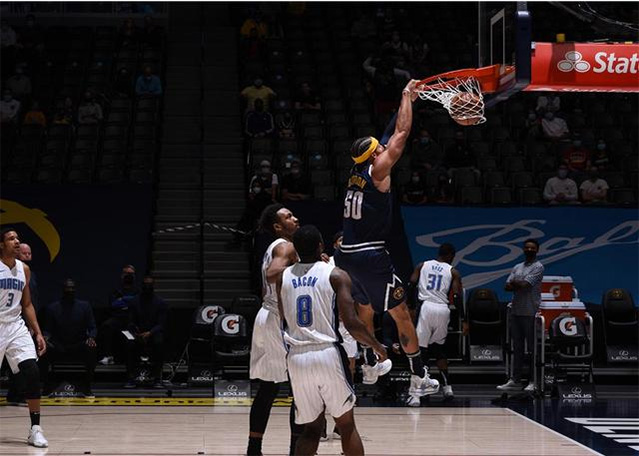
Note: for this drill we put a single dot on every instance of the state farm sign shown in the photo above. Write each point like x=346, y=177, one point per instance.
x=585, y=67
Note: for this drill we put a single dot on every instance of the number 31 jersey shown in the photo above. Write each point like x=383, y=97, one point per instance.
x=308, y=302
x=368, y=213
x=12, y=282
x=434, y=282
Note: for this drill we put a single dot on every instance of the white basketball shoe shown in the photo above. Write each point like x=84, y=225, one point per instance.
x=372, y=373
x=36, y=437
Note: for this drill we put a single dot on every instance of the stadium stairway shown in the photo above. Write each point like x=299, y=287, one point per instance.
x=201, y=168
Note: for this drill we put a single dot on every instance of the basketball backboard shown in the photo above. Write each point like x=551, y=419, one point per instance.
x=504, y=38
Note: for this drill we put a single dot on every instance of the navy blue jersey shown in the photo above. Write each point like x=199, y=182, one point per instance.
x=368, y=213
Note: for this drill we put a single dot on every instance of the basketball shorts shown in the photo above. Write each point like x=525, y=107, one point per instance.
x=432, y=324
x=320, y=380
x=16, y=344
x=373, y=277
x=268, y=352
x=348, y=342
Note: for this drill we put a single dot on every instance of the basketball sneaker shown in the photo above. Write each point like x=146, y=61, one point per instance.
x=511, y=385
x=370, y=374
x=107, y=360
x=423, y=386
x=530, y=388
x=36, y=437
x=448, y=393
x=413, y=401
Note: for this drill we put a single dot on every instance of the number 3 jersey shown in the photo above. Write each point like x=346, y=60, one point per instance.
x=368, y=213
x=434, y=282
x=308, y=302
x=12, y=282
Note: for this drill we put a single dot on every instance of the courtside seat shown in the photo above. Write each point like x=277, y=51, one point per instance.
x=621, y=324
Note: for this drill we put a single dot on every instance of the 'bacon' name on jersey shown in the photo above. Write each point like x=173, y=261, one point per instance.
x=303, y=281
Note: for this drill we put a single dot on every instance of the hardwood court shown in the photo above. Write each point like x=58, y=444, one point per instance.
x=220, y=430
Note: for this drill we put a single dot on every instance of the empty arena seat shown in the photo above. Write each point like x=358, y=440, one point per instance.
x=199, y=344
x=569, y=348
x=486, y=326
x=621, y=326
x=231, y=344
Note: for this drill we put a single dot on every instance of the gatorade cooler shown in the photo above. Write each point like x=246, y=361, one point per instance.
x=552, y=309
x=557, y=288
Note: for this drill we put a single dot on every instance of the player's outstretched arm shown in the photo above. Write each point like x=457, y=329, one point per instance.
x=30, y=316
x=397, y=142
x=284, y=255
x=341, y=283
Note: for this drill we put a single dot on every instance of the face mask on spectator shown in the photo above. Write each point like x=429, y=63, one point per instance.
x=258, y=83
x=415, y=179
x=532, y=116
x=257, y=190
x=68, y=295
x=593, y=175
x=266, y=169
x=577, y=143
x=424, y=140
x=563, y=173
x=295, y=171
x=601, y=146
x=128, y=279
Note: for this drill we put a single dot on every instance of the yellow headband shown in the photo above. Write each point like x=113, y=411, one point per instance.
x=366, y=155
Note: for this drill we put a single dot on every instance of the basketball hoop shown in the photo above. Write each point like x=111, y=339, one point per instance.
x=461, y=92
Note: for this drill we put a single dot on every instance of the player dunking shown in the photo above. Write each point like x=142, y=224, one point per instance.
x=16, y=342
x=268, y=354
x=434, y=281
x=368, y=213
x=320, y=378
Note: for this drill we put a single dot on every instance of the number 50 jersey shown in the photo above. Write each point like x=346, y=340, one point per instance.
x=368, y=213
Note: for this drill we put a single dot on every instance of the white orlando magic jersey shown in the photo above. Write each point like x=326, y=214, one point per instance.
x=12, y=282
x=308, y=301
x=434, y=282
x=270, y=293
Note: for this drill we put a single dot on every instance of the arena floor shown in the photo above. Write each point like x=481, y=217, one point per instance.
x=472, y=429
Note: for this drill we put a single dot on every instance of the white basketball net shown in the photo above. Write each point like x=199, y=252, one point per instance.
x=445, y=92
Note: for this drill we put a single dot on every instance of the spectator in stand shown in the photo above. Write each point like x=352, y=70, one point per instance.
x=259, y=123
x=9, y=108
x=458, y=155
x=561, y=189
x=128, y=35
x=600, y=157
x=533, y=125
x=386, y=79
x=64, y=115
x=415, y=190
x=147, y=323
x=258, y=90
x=253, y=47
x=285, y=125
x=19, y=84
x=548, y=103
x=90, y=111
x=148, y=85
x=255, y=22
x=295, y=185
x=35, y=116
x=71, y=333
x=426, y=154
x=364, y=26
x=396, y=48
x=306, y=98
x=554, y=128
x=123, y=83
x=119, y=302
x=268, y=179
x=8, y=37
x=417, y=54
x=594, y=190
x=258, y=199
x=31, y=37
x=151, y=34
x=577, y=158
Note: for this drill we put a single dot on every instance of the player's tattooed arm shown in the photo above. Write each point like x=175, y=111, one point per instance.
x=341, y=283
x=29, y=314
x=397, y=142
x=284, y=255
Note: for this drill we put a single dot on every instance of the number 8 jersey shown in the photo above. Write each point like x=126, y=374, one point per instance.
x=434, y=282
x=308, y=302
x=12, y=282
x=368, y=213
